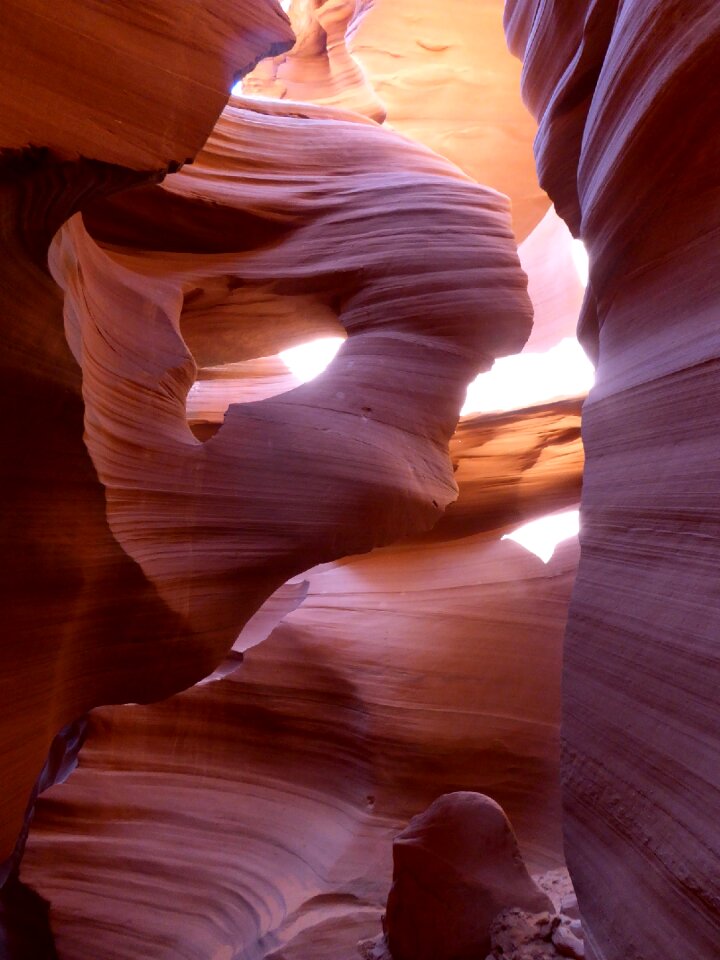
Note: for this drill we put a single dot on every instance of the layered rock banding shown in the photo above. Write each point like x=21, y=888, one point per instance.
x=626, y=97
x=138, y=85
x=320, y=68
x=440, y=73
x=361, y=422
x=173, y=659
x=389, y=683
x=154, y=508
x=121, y=577
x=82, y=624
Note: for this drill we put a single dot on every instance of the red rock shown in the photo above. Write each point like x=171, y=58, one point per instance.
x=163, y=544
x=387, y=685
x=441, y=73
x=627, y=148
x=447, y=80
x=145, y=527
x=89, y=105
x=320, y=68
x=197, y=509
x=455, y=867
x=156, y=611
x=131, y=83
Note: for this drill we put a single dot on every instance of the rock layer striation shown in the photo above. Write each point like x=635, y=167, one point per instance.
x=627, y=101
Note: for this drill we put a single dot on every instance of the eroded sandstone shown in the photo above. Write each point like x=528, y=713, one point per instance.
x=167, y=477
x=455, y=868
x=627, y=101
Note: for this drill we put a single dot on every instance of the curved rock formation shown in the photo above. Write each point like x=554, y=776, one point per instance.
x=319, y=68
x=256, y=814
x=165, y=477
x=626, y=97
x=136, y=84
x=425, y=250
x=447, y=80
x=417, y=668
x=513, y=467
x=456, y=866
x=398, y=678
x=172, y=550
x=439, y=72
x=79, y=120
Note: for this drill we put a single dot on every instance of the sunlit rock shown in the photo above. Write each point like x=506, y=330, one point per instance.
x=320, y=67
x=244, y=529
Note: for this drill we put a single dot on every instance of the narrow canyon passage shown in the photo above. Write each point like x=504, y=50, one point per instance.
x=292, y=583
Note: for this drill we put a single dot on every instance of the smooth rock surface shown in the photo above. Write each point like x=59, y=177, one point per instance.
x=132, y=82
x=267, y=802
x=149, y=552
x=440, y=73
x=627, y=100
x=164, y=475
x=455, y=867
x=185, y=511
x=320, y=68
x=92, y=102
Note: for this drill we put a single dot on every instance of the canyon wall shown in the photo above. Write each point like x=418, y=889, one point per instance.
x=82, y=624
x=439, y=73
x=256, y=814
x=627, y=101
x=253, y=816
x=165, y=477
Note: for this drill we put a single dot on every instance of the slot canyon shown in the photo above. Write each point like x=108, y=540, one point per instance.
x=361, y=490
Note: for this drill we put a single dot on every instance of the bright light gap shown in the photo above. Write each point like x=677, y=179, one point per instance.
x=309, y=360
x=542, y=536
